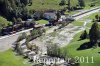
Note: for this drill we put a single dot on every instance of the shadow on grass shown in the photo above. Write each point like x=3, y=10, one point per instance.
x=99, y=52
x=84, y=46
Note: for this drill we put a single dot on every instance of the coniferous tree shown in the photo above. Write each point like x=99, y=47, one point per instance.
x=58, y=15
x=81, y=3
x=83, y=35
x=53, y=50
x=13, y=4
x=63, y=2
x=14, y=8
x=14, y=20
x=97, y=17
x=7, y=8
x=94, y=34
x=69, y=4
x=72, y=4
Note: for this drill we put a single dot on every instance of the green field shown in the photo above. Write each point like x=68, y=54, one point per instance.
x=42, y=21
x=48, y=4
x=72, y=51
x=8, y=58
x=54, y=4
x=72, y=47
x=92, y=16
x=4, y=23
x=78, y=23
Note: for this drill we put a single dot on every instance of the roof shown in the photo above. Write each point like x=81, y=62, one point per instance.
x=50, y=14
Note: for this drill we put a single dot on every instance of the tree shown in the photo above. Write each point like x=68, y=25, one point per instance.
x=25, y=2
x=14, y=8
x=7, y=6
x=94, y=34
x=93, y=2
x=63, y=2
x=53, y=50
x=69, y=5
x=84, y=35
x=13, y=4
x=72, y=4
x=18, y=45
x=30, y=1
x=81, y=3
x=14, y=20
x=58, y=15
x=18, y=48
x=19, y=20
x=34, y=33
x=23, y=36
x=97, y=17
x=25, y=13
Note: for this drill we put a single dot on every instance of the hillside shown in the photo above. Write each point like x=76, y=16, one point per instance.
x=48, y=4
x=54, y=4
x=14, y=8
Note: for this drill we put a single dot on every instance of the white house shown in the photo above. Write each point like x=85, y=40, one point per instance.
x=50, y=15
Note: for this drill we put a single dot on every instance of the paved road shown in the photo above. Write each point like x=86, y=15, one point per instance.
x=7, y=41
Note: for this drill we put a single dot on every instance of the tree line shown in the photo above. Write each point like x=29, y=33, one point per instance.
x=17, y=8
x=14, y=8
x=75, y=4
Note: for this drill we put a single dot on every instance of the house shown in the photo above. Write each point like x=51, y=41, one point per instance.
x=50, y=16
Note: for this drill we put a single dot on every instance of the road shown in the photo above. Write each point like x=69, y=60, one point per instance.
x=85, y=13
x=7, y=41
